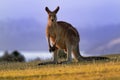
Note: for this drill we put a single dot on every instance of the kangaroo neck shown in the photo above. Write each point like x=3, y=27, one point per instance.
x=52, y=24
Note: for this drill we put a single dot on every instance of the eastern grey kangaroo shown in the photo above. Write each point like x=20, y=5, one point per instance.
x=63, y=35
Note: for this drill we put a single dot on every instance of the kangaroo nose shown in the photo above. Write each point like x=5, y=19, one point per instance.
x=52, y=20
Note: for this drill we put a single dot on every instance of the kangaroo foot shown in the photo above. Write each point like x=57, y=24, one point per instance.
x=45, y=63
x=65, y=62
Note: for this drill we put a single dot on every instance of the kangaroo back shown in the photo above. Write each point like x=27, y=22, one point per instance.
x=68, y=33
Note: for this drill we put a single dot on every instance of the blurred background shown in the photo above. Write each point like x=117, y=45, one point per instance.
x=23, y=24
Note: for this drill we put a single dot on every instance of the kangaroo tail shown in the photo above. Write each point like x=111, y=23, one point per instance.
x=76, y=53
x=96, y=58
x=79, y=57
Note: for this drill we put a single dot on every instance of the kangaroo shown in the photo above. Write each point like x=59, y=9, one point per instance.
x=62, y=35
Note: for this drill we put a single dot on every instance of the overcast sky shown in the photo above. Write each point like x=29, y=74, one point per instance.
x=83, y=14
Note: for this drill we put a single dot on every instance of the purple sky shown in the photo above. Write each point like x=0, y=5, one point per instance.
x=23, y=22
x=80, y=12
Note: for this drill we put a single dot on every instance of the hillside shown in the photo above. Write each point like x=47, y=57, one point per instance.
x=28, y=34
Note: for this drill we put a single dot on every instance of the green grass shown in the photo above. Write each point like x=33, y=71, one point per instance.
x=94, y=70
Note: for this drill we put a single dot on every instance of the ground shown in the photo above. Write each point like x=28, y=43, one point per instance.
x=91, y=70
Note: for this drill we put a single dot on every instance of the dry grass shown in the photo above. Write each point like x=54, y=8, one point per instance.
x=97, y=70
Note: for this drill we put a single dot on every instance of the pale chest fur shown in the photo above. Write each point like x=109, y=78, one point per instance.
x=51, y=31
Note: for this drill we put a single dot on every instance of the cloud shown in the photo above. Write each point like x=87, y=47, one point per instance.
x=109, y=45
x=113, y=43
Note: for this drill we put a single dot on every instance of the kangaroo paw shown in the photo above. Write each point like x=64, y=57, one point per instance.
x=52, y=49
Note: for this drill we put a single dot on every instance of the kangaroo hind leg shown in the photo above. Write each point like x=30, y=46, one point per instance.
x=55, y=56
x=69, y=54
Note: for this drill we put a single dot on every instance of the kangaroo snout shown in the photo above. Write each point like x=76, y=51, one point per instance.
x=52, y=20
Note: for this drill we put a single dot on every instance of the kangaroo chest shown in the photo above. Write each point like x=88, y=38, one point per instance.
x=52, y=32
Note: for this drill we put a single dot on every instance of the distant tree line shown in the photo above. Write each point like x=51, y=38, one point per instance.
x=15, y=56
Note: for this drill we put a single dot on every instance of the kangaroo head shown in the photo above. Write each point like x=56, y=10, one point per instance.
x=52, y=14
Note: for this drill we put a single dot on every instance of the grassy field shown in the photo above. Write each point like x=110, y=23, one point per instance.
x=94, y=70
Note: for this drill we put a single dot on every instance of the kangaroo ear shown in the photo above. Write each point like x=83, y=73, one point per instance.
x=56, y=10
x=47, y=9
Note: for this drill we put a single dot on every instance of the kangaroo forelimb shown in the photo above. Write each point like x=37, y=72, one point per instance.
x=52, y=49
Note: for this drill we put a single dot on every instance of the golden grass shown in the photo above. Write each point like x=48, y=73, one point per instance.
x=97, y=70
